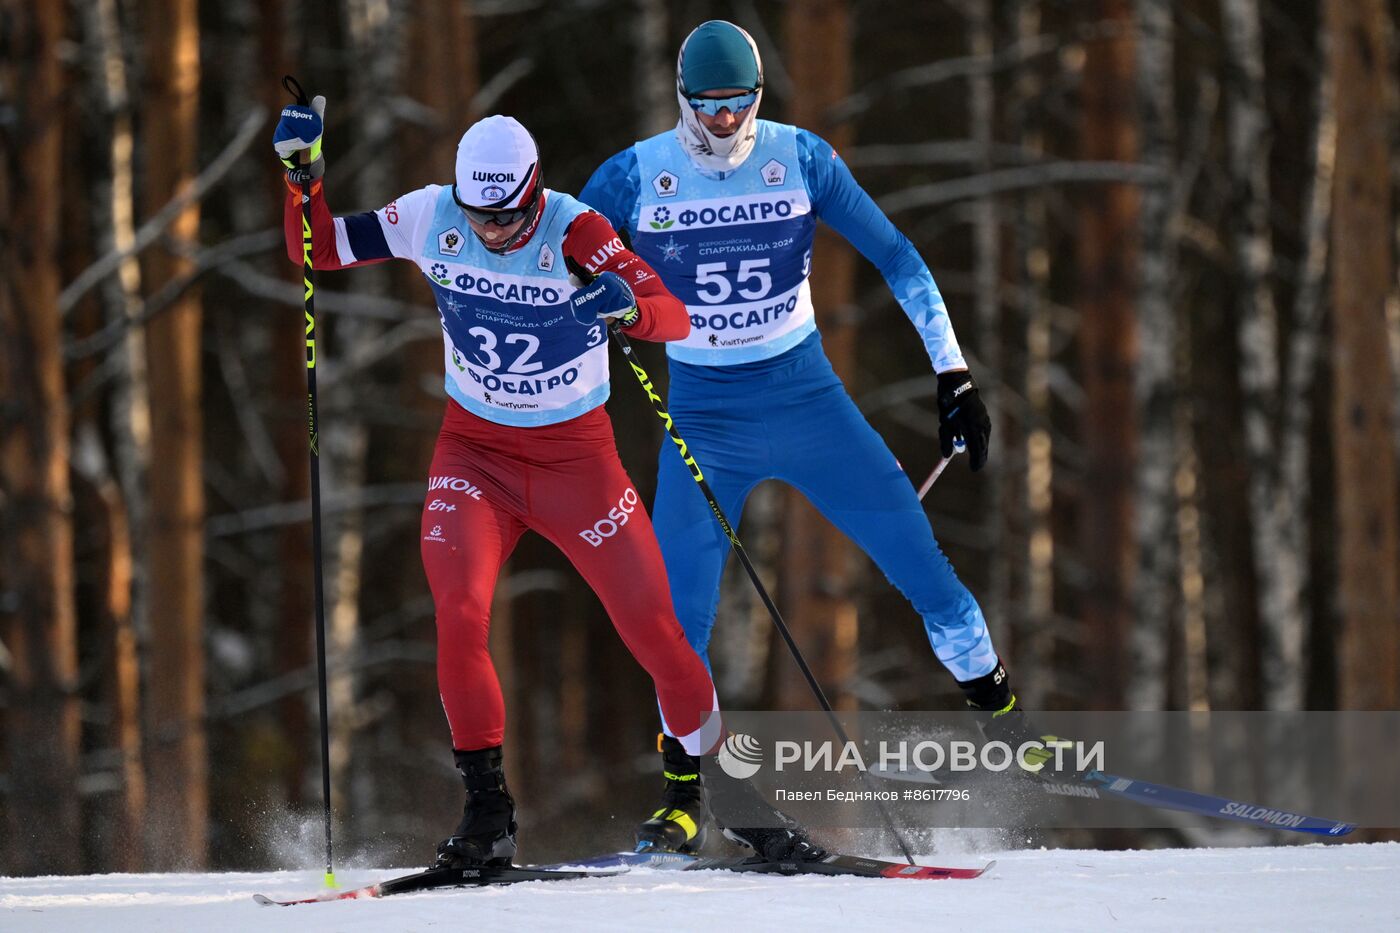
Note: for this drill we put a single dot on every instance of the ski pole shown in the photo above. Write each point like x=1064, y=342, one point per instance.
x=660, y=405
x=938, y=468
x=309, y=281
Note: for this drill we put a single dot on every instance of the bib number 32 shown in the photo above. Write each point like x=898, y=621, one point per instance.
x=522, y=347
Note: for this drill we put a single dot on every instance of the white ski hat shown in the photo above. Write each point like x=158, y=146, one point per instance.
x=498, y=165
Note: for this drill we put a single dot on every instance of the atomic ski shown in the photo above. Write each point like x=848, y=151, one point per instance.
x=837, y=864
x=434, y=878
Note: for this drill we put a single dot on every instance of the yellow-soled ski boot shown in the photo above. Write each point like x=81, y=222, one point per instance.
x=1001, y=719
x=678, y=825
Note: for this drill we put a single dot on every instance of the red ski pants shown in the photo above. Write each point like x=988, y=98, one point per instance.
x=488, y=484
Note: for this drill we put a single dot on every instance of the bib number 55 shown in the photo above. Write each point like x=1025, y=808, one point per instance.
x=713, y=284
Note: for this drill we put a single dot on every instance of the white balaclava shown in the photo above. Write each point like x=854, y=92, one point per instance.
x=717, y=54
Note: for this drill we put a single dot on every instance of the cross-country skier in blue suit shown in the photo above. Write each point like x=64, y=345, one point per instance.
x=724, y=207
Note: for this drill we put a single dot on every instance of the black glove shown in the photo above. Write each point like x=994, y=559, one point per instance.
x=961, y=414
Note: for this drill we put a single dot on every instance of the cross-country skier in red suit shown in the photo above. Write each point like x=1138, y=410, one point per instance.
x=526, y=443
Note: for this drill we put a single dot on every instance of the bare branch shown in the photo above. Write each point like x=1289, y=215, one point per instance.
x=264, y=286
x=223, y=253
x=214, y=173
x=260, y=445
x=383, y=345
x=501, y=82
x=1012, y=179
x=263, y=517
x=946, y=69
x=947, y=152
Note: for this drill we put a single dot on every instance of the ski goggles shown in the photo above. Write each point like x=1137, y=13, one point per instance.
x=711, y=106
x=499, y=218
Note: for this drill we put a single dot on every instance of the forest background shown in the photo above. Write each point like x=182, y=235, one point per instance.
x=1166, y=235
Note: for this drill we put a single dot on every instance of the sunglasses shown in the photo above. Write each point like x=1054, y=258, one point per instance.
x=499, y=218
x=711, y=106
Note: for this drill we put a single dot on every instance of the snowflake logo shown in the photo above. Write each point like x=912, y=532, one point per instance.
x=439, y=274
x=453, y=304
x=661, y=219
x=671, y=250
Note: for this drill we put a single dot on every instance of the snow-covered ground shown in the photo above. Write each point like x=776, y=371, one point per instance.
x=1318, y=887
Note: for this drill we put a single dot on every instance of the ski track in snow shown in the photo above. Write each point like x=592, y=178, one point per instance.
x=1315, y=887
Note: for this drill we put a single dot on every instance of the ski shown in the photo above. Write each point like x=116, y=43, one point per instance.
x=835, y=864
x=856, y=865
x=435, y=878
x=1097, y=785
x=1152, y=794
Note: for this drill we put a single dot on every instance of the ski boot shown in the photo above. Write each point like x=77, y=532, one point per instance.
x=1001, y=718
x=679, y=824
x=486, y=835
x=745, y=818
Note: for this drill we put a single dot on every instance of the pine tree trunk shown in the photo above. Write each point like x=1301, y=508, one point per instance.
x=1294, y=494
x=1362, y=399
x=351, y=447
x=1033, y=625
x=1277, y=566
x=38, y=623
x=124, y=694
x=443, y=39
x=131, y=406
x=1108, y=233
x=655, y=68
x=818, y=573
x=287, y=361
x=177, y=759
x=987, y=314
x=1155, y=382
x=119, y=482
